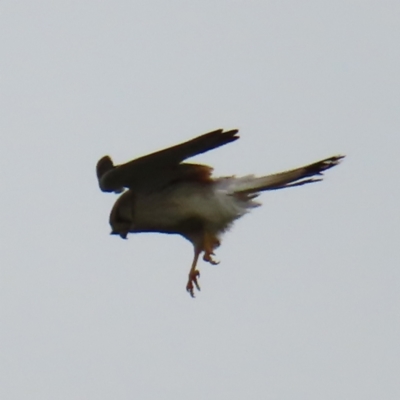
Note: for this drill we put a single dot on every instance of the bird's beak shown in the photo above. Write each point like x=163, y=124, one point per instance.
x=122, y=234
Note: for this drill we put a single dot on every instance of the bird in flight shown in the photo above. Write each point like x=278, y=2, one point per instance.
x=161, y=193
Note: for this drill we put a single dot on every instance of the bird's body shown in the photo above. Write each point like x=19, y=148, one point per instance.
x=214, y=204
x=167, y=196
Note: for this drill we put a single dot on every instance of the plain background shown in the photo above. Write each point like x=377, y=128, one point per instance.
x=305, y=303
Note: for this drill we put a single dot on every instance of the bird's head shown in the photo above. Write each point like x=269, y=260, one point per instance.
x=119, y=226
x=122, y=216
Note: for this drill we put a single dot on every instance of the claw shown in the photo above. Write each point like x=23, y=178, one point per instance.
x=193, y=279
x=208, y=258
x=210, y=243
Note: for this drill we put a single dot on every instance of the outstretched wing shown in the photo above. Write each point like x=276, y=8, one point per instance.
x=295, y=177
x=116, y=178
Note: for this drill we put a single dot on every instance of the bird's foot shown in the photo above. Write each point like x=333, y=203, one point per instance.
x=208, y=258
x=193, y=275
x=211, y=242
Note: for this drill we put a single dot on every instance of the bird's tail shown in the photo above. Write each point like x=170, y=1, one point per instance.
x=296, y=177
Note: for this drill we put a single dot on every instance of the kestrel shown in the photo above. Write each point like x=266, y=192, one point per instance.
x=168, y=196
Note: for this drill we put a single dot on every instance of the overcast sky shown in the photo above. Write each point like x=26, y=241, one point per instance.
x=305, y=303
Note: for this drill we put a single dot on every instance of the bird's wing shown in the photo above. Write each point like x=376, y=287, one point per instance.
x=115, y=178
x=295, y=177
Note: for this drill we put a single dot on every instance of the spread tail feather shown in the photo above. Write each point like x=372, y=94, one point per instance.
x=296, y=177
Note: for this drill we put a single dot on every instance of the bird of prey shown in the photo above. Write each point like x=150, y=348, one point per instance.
x=166, y=195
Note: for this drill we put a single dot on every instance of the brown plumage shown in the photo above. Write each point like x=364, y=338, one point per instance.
x=168, y=196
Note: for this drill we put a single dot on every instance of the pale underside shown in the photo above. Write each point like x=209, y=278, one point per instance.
x=198, y=211
x=164, y=194
x=201, y=211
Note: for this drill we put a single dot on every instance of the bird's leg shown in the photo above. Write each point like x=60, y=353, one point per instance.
x=194, y=273
x=210, y=243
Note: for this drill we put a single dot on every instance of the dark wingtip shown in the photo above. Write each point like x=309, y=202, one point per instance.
x=230, y=136
x=321, y=166
x=332, y=161
x=103, y=165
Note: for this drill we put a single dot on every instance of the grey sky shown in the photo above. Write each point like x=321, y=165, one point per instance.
x=305, y=303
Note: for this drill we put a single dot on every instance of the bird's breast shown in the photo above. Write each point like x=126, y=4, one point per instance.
x=184, y=204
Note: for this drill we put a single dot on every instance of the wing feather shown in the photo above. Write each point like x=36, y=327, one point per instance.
x=115, y=178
